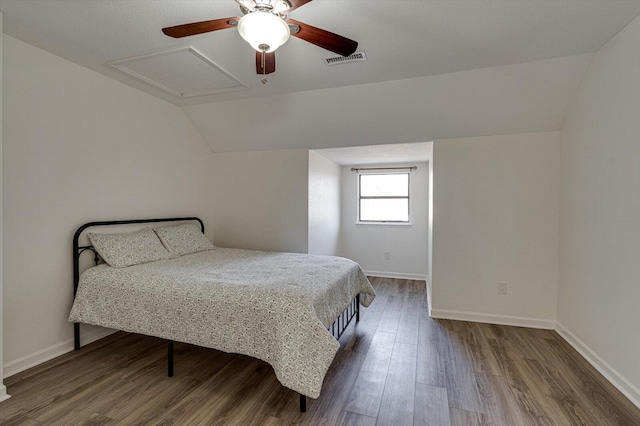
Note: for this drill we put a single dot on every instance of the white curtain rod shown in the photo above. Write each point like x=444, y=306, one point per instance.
x=410, y=168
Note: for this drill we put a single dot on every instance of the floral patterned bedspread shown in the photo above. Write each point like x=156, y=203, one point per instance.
x=272, y=306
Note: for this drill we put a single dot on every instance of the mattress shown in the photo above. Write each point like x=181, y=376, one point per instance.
x=272, y=306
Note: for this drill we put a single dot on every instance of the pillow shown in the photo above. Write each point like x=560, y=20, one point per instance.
x=183, y=239
x=132, y=248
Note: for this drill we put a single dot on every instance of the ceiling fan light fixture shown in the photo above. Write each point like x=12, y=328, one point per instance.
x=263, y=30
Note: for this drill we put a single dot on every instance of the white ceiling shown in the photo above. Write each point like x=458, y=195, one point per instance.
x=402, y=39
x=378, y=154
x=520, y=98
x=436, y=69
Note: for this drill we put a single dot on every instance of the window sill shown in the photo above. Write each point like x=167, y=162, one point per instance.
x=385, y=223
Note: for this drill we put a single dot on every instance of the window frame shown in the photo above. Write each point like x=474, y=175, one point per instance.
x=383, y=222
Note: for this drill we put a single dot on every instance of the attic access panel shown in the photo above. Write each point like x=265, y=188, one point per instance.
x=183, y=72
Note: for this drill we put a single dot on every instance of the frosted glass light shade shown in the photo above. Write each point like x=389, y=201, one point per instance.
x=263, y=29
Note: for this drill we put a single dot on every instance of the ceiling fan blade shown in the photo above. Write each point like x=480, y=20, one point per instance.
x=269, y=63
x=199, y=27
x=325, y=39
x=296, y=4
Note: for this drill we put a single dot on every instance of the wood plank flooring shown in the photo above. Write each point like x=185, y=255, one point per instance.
x=395, y=367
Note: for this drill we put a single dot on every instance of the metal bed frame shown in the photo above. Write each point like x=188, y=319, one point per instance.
x=337, y=328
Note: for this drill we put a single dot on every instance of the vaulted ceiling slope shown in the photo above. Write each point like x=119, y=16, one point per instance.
x=402, y=38
x=521, y=98
x=435, y=69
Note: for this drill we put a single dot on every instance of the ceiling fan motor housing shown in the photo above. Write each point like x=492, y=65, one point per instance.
x=275, y=6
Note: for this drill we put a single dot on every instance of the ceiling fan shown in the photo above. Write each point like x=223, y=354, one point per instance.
x=265, y=26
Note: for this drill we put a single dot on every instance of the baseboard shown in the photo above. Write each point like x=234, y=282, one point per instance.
x=18, y=365
x=493, y=319
x=399, y=275
x=3, y=393
x=610, y=373
x=429, y=296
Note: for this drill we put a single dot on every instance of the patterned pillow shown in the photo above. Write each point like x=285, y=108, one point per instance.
x=132, y=248
x=183, y=239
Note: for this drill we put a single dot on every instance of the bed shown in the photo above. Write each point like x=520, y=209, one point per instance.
x=286, y=309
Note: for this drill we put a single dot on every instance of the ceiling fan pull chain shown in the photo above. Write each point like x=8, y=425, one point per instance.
x=263, y=63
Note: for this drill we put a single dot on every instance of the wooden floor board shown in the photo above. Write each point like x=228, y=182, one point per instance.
x=352, y=419
x=398, y=399
x=539, y=394
x=460, y=417
x=396, y=366
x=366, y=395
x=505, y=358
x=462, y=389
x=500, y=404
x=337, y=388
x=391, y=316
x=431, y=406
x=430, y=369
x=409, y=322
x=363, y=334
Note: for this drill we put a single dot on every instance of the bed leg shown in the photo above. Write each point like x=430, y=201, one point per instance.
x=76, y=336
x=170, y=359
x=303, y=403
x=357, y=308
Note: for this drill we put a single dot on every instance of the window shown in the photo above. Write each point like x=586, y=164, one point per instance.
x=383, y=197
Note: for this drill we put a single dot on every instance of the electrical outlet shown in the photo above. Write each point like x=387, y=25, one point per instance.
x=387, y=255
x=502, y=287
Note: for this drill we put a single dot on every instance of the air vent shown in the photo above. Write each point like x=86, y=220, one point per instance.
x=336, y=60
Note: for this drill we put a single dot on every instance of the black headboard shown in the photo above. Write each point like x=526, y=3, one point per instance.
x=78, y=250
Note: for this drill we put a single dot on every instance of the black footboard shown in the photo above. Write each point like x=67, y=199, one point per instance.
x=337, y=328
x=342, y=322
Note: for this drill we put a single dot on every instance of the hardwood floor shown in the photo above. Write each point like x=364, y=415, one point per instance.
x=395, y=367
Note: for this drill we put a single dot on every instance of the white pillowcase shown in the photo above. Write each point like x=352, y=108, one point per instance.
x=131, y=248
x=183, y=239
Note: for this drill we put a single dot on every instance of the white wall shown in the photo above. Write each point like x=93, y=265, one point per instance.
x=324, y=205
x=78, y=147
x=407, y=244
x=430, y=231
x=261, y=200
x=599, y=289
x=496, y=218
x=3, y=388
